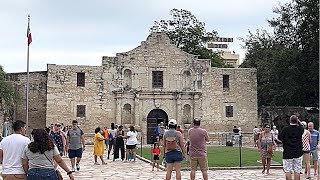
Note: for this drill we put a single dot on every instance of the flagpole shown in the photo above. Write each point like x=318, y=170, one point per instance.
x=27, y=91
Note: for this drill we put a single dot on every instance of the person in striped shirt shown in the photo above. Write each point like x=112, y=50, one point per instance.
x=306, y=140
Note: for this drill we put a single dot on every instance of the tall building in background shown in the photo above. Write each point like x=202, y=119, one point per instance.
x=221, y=46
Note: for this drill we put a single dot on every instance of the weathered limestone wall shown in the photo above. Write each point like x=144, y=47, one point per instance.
x=64, y=95
x=37, y=97
x=242, y=95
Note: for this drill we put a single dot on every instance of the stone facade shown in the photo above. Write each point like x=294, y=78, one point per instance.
x=37, y=97
x=152, y=83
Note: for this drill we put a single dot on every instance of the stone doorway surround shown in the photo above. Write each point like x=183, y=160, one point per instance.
x=154, y=118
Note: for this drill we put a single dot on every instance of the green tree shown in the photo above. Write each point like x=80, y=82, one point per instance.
x=189, y=34
x=287, y=59
x=8, y=94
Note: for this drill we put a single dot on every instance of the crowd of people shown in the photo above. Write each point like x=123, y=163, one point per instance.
x=299, y=140
x=39, y=157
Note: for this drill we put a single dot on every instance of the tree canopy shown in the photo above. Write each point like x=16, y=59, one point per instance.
x=8, y=94
x=189, y=34
x=287, y=59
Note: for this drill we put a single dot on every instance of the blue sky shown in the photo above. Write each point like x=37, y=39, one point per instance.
x=81, y=32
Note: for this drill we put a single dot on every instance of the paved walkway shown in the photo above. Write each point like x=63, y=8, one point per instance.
x=119, y=170
x=141, y=170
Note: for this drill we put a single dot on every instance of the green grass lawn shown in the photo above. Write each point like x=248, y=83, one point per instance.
x=222, y=156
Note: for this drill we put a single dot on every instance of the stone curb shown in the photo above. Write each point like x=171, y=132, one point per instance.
x=150, y=162
x=212, y=168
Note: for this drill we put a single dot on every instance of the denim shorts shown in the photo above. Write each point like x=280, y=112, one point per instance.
x=42, y=174
x=174, y=157
x=75, y=153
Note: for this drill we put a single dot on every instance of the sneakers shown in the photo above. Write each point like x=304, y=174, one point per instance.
x=78, y=167
x=96, y=163
x=73, y=170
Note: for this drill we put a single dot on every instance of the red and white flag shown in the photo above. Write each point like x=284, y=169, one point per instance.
x=29, y=35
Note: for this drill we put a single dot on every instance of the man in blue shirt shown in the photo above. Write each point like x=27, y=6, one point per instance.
x=314, y=145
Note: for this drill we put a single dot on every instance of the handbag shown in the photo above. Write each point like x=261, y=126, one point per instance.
x=269, y=148
x=57, y=171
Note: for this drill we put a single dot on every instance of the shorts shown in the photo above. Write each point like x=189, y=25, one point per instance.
x=202, y=162
x=156, y=157
x=13, y=176
x=188, y=158
x=314, y=154
x=75, y=153
x=174, y=157
x=131, y=146
x=293, y=165
x=106, y=142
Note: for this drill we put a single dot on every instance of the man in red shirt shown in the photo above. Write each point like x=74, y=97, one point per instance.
x=198, y=150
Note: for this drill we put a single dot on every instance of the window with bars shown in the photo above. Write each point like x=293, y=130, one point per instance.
x=157, y=79
x=229, y=111
x=226, y=82
x=81, y=110
x=81, y=79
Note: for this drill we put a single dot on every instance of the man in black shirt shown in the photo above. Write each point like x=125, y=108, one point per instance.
x=291, y=137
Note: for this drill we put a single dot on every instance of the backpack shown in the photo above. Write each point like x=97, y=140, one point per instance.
x=171, y=143
x=111, y=137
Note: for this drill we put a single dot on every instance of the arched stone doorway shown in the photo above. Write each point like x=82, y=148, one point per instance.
x=154, y=118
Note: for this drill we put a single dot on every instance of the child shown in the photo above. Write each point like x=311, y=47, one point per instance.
x=187, y=156
x=156, y=155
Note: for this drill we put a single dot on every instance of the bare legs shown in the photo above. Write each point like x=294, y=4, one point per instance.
x=307, y=160
x=263, y=164
x=170, y=168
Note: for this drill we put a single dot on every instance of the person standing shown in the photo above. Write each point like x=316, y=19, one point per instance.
x=315, y=141
x=174, y=151
x=198, y=150
x=256, y=131
x=266, y=145
x=156, y=155
x=38, y=156
x=57, y=137
x=75, y=145
x=119, y=144
x=112, y=138
x=98, y=146
x=5, y=128
x=306, y=140
x=10, y=153
x=236, y=135
x=291, y=138
x=106, y=137
x=131, y=142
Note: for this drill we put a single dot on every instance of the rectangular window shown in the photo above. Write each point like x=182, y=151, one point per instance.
x=157, y=79
x=81, y=79
x=225, y=81
x=229, y=111
x=81, y=110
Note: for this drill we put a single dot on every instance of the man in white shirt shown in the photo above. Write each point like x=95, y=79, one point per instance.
x=11, y=149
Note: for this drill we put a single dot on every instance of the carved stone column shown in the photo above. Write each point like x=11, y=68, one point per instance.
x=118, y=110
x=178, y=108
x=137, y=110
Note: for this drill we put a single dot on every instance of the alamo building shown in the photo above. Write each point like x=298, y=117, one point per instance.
x=152, y=83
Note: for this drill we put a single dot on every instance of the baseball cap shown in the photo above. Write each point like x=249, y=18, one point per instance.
x=172, y=122
x=304, y=123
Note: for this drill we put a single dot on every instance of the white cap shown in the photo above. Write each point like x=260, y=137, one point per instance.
x=274, y=127
x=304, y=123
x=172, y=122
